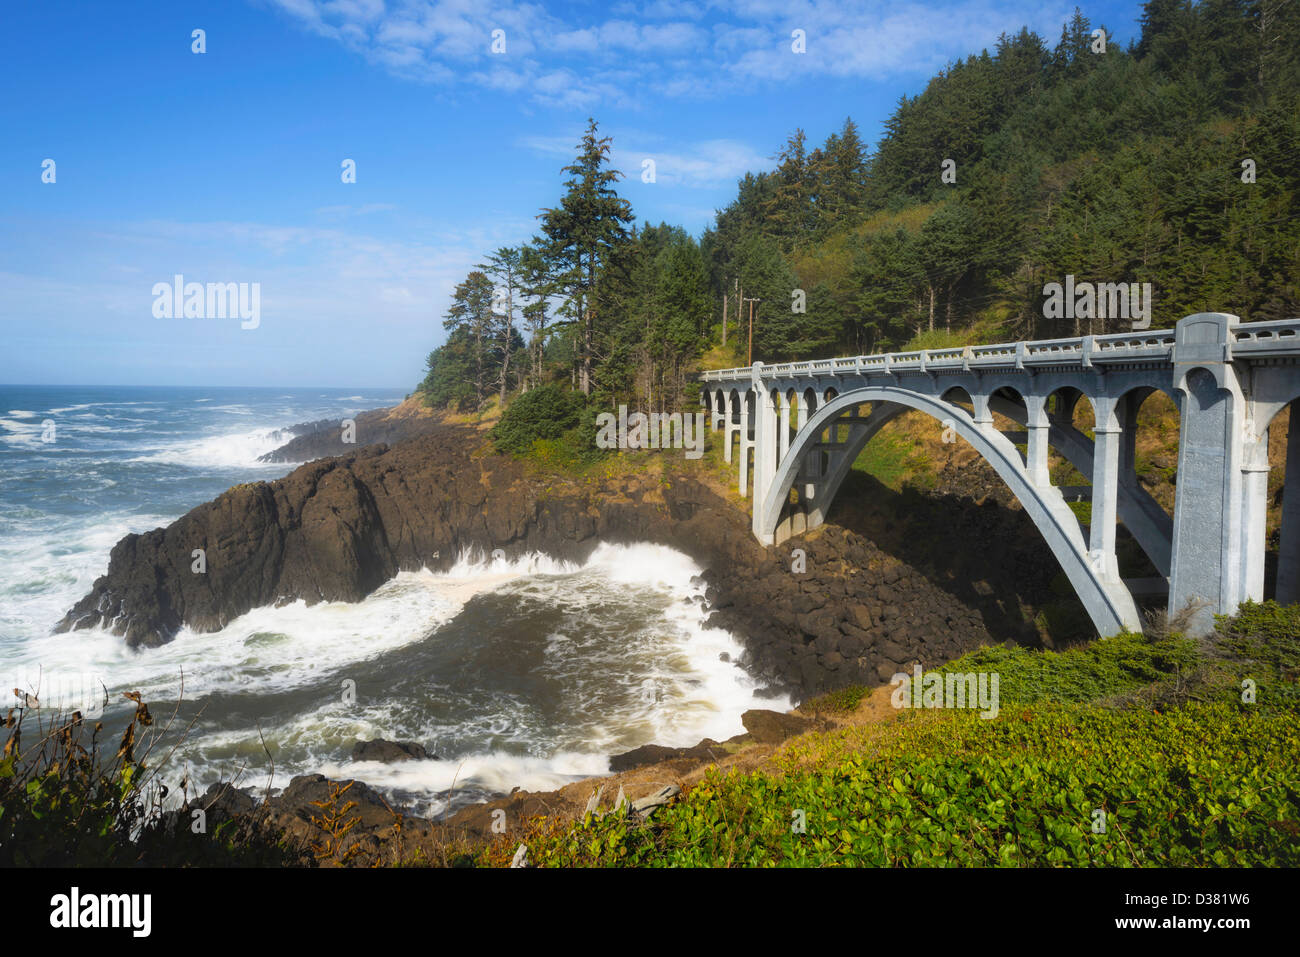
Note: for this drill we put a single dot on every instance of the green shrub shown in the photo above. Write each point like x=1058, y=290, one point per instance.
x=1178, y=780
x=547, y=412
x=1200, y=786
x=1101, y=669
x=1268, y=633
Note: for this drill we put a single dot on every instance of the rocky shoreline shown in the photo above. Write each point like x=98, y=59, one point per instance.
x=337, y=528
x=848, y=612
x=325, y=437
x=384, y=834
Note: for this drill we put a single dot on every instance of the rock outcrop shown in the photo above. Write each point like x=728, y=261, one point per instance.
x=391, y=751
x=338, y=528
x=315, y=440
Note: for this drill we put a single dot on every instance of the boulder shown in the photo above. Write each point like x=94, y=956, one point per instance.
x=772, y=727
x=390, y=751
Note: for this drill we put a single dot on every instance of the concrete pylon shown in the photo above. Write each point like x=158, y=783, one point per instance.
x=730, y=427
x=1108, y=434
x=1038, y=427
x=746, y=443
x=1208, y=514
x=766, y=421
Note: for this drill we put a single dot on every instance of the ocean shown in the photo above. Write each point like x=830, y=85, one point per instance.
x=526, y=674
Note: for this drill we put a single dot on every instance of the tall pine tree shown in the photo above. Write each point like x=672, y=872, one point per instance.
x=584, y=236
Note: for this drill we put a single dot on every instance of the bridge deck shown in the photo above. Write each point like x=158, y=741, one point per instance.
x=1249, y=339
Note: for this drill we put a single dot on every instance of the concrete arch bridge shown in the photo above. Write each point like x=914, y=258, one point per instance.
x=794, y=430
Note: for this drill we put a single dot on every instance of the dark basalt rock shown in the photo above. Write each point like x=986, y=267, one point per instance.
x=773, y=727
x=648, y=754
x=390, y=751
x=300, y=797
x=324, y=437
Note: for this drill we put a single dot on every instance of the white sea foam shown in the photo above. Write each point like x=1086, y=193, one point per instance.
x=434, y=783
x=46, y=565
x=21, y=434
x=232, y=450
x=676, y=688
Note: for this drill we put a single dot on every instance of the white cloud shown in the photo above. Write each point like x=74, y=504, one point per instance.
x=678, y=48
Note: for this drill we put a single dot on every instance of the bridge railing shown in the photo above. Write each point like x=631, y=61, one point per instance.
x=1280, y=335
x=1276, y=337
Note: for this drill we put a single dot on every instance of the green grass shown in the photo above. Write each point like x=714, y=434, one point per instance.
x=839, y=701
x=894, y=461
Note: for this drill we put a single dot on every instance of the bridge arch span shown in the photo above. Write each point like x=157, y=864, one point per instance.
x=1103, y=594
x=1227, y=378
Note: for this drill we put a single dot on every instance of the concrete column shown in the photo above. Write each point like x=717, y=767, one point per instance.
x=799, y=520
x=1108, y=437
x=983, y=415
x=718, y=406
x=1207, y=512
x=1127, y=412
x=812, y=462
x=1254, y=517
x=783, y=428
x=765, y=449
x=1038, y=427
x=1288, y=555
x=730, y=426
x=746, y=443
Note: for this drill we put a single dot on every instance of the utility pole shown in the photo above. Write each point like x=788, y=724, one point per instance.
x=751, y=326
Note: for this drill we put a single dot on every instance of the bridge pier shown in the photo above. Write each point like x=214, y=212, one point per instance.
x=730, y=429
x=746, y=443
x=1212, y=570
x=784, y=427
x=1108, y=435
x=766, y=422
x=1038, y=427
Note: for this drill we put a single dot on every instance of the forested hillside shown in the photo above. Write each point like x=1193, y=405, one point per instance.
x=1174, y=162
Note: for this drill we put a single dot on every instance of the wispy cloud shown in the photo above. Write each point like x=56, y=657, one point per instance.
x=665, y=48
x=346, y=211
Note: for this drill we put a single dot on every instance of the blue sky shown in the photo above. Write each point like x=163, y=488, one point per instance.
x=225, y=166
